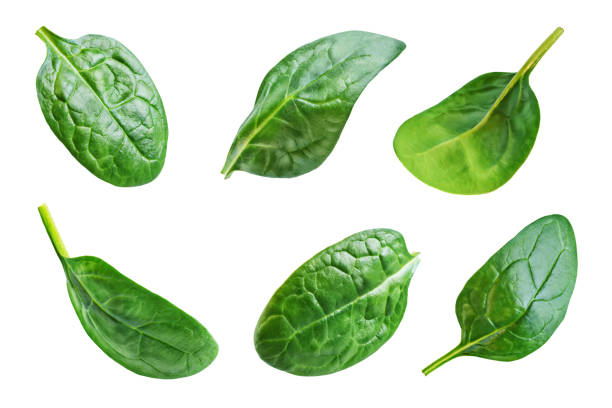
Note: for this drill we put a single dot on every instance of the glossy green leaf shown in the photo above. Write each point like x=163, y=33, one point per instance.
x=516, y=300
x=103, y=106
x=476, y=139
x=304, y=103
x=138, y=329
x=339, y=307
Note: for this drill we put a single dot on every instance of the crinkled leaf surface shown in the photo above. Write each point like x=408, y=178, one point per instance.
x=305, y=101
x=476, y=139
x=135, y=327
x=103, y=106
x=339, y=307
x=516, y=300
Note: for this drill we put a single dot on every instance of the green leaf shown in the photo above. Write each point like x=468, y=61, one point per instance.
x=135, y=327
x=304, y=103
x=476, y=139
x=101, y=104
x=339, y=307
x=514, y=303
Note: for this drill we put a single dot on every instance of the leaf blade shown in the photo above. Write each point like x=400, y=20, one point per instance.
x=513, y=304
x=339, y=307
x=102, y=105
x=135, y=327
x=475, y=140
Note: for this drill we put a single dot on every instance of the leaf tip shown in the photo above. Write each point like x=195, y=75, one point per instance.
x=402, y=45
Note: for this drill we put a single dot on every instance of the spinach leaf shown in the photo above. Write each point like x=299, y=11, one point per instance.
x=101, y=104
x=339, y=307
x=304, y=103
x=138, y=329
x=476, y=139
x=514, y=303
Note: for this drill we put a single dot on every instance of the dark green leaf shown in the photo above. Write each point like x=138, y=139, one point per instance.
x=304, y=103
x=514, y=303
x=476, y=139
x=138, y=329
x=101, y=104
x=339, y=307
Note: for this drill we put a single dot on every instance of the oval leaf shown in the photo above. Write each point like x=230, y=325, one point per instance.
x=339, y=307
x=516, y=300
x=135, y=327
x=476, y=139
x=305, y=101
x=101, y=104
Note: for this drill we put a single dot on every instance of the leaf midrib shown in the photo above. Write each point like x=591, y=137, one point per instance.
x=523, y=72
x=49, y=41
x=517, y=76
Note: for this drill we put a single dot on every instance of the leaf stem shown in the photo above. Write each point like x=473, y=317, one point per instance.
x=456, y=352
x=52, y=231
x=43, y=33
x=539, y=53
x=48, y=37
x=525, y=70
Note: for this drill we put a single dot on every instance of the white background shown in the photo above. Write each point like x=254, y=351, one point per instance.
x=219, y=248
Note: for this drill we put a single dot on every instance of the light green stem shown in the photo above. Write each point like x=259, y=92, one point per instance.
x=52, y=231
x=525, y=70
x=456, y=352
x=539, y=53
x=43, y=33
